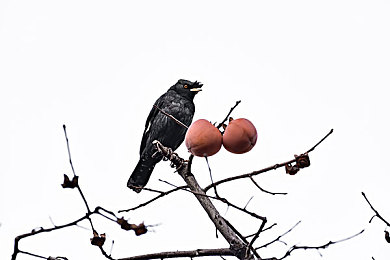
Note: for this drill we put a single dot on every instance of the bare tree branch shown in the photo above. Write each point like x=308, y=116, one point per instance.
x=191, y=253
x=295, y=247
x=43, y=230
x=239, y=246
x=266, y=191
x=227, y=116
x=265, y=229
x=74, y=174
x=279, y=237
x=154, y=199
x=224, y=200
x=96, y=240
x=274, y=167
x=255, y=236
x=235, y=242
x=376, y=212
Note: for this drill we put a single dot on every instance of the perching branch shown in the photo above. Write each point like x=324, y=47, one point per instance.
x=235, y=242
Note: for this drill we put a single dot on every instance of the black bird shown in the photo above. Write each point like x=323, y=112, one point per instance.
x=178, y=102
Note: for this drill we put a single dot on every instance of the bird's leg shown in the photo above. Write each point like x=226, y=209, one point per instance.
x=161, y=150
x=168, y=154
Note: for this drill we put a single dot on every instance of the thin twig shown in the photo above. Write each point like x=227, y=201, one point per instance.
x=154, y=199
x=265, y=229
x=211, y=177
x=246, y=175
x=376, y=212
x=246, y=205
x=274, y=167
x=67, y=145
x=295, y=247
x=31, y=254
x=105, y=253
x=74, y=173
x=112, y=247
x=250, y=245
x=171, y=117
x=43, y=230
x=314, y=147
x=279, y=237
x=227, y=116
x=266, y=191
x=224, y=200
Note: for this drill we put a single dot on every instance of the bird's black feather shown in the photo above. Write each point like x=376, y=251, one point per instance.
x=178, y=102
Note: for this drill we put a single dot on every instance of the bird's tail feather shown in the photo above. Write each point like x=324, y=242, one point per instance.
x=140, y=176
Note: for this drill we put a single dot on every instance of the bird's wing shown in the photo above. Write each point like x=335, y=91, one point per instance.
x=152, y=115
x=150, y=118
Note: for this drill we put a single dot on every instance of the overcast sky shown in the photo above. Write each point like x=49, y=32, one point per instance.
x=300, y=68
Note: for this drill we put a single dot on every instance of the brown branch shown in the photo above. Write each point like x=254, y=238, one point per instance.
x=236, y=243
x=247, y=175
x=227, y=116
x=254, y=173
x=191, y=253
x=376, y=212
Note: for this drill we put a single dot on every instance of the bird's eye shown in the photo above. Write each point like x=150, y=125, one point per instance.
x=185, y=86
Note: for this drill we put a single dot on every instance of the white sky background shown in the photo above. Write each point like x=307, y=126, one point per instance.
x=299, y=67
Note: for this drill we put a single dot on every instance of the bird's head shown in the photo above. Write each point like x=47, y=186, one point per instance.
x=187, y=88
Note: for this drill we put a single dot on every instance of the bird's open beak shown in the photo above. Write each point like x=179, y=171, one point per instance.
x=196, y=89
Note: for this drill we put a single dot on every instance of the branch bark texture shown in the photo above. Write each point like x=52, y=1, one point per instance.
x=237, y=245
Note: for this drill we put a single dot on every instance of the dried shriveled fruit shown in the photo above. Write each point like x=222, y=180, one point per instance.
x=70, y=183
x=387, y=236
x=98, y=240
